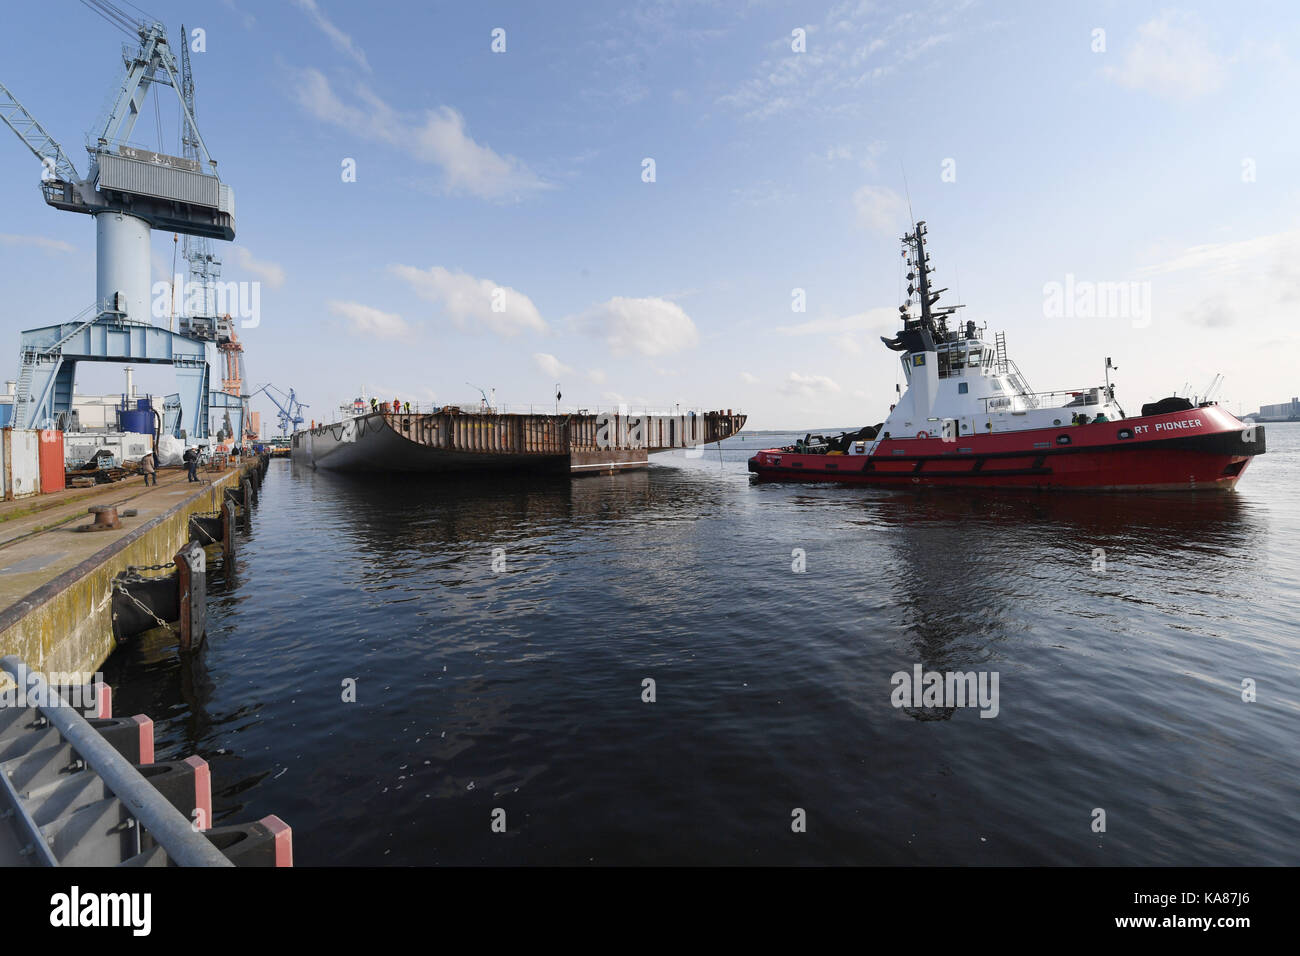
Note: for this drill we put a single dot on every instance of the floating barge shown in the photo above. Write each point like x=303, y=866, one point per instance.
x=450, y=440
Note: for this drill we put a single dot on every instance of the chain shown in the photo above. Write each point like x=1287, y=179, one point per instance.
x=117, y=586
x=199, y=529
x=150, y=567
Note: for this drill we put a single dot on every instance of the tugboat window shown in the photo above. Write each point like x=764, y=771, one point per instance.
x=962, y=388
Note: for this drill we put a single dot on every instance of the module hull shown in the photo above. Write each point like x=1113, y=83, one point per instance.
x=455, y=442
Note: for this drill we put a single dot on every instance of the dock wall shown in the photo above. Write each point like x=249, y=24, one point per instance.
x=66, y=624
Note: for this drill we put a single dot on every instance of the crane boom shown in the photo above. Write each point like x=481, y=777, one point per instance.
x=35, y=137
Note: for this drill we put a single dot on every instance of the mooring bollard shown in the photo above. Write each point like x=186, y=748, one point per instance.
x=192, y=583
x=106, y=518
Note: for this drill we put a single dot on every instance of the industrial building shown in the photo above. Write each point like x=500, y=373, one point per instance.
x=1284, y=412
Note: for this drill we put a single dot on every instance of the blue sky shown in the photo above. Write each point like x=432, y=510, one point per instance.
x=1160, y=153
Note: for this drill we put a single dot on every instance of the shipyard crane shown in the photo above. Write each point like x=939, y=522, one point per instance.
x=204, y=263
x=290, y=414
x=128, y=192
x=486, y=405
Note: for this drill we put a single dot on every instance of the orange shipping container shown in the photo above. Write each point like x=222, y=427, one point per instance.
x=51, y=455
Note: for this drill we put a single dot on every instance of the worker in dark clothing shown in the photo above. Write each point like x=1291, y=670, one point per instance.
x=192, y=460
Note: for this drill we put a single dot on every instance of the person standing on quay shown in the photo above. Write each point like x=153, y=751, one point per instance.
x=150, y=471
x=192, y=459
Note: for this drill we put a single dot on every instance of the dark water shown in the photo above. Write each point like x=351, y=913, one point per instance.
x=1118, y=690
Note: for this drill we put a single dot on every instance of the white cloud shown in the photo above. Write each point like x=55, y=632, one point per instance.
x=1261, y=271
x=749, y=379
x=473, y=303
x=881, y=209
x=552, y=366
x=846, y=344
x=342, y=42
x=271, y=273
x=364, y=320
x=1171, y=58
x=874, y=320
x=36, y=242
x=858, y=45
x=647, y=326
x=597, y=376
x=439, y=139
x=245, y=17
x=808, y=386
x=1232, y=261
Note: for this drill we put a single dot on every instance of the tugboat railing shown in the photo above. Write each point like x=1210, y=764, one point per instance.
x=1047, y=399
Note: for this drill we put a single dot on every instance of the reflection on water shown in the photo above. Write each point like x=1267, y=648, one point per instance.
x=499, y=632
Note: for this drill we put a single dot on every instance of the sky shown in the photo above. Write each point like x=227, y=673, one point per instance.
x=700, y=203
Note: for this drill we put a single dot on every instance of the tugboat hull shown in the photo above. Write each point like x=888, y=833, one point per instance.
x=1203, y=449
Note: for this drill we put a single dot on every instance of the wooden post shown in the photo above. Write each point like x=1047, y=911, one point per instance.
x=228, y=530
x=192, y=583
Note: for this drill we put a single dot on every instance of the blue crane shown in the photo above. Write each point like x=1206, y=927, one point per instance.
x=129, y=192
x=290, y=413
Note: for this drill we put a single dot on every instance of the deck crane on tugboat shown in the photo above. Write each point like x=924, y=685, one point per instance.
x=969, y=419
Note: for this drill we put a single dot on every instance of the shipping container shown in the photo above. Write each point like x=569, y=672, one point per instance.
x=22, y=463
x=51, y=461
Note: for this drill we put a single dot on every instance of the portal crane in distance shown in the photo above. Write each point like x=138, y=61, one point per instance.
x=290, y=411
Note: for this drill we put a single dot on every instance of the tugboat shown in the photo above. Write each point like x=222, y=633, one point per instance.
x=968, y=418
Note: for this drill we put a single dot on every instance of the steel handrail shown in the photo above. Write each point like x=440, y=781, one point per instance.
x=184, y=845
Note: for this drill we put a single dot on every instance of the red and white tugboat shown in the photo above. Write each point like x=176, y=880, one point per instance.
x=968, y=418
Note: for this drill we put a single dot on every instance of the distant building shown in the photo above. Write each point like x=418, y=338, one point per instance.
x=1284, y=411
x=90, y=413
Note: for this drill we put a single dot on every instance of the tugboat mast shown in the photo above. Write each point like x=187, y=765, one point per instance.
x=931, y=329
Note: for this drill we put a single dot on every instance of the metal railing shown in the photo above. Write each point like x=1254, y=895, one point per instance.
x=1048, y=399
x=478, y=407
x=184, y=845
